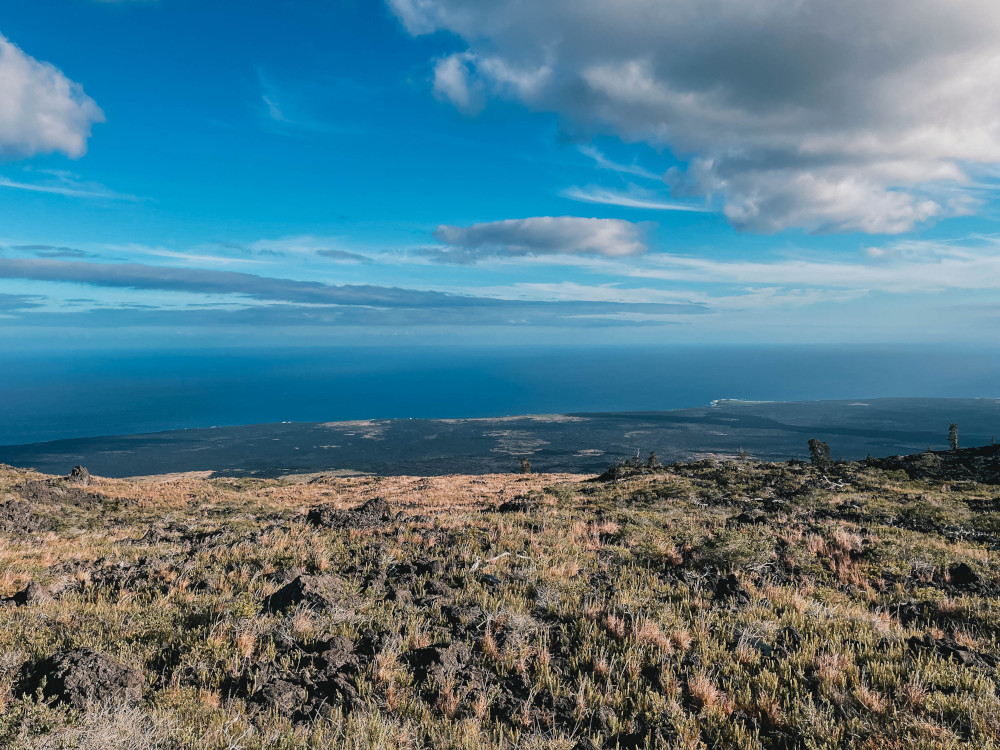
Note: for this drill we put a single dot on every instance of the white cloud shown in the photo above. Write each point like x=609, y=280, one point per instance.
x=832, y=116
x=540, y=235
x=451, y=82
x=41, y=110
x=464, y=79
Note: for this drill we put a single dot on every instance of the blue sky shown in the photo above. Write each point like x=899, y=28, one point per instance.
x=180, y=172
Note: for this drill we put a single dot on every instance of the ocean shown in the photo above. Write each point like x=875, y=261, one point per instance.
x=80, y=394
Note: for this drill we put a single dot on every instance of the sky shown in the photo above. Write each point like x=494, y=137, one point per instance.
x=560, y=172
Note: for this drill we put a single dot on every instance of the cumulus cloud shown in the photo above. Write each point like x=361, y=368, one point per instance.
x=540, y=235
x=41, y=110
x=830, y=116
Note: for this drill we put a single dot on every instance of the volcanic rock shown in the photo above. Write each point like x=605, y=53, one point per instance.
x=84, y=677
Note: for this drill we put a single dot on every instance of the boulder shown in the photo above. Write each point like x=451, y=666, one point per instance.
x=79, y=475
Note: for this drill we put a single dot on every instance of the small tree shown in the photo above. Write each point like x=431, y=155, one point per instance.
x=525, y=465
x=652, y=462
x=953, y=436
x=819, y=453
x=742, y=453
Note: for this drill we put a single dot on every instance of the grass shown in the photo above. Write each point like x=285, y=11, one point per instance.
x=713, y=604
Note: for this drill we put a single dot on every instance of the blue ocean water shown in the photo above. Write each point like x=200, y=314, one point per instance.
x=77, y=394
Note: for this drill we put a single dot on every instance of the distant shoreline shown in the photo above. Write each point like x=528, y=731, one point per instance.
x=107, y=394
x=579, y=442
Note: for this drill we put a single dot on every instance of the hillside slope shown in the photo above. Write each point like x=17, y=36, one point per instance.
x=730, y=604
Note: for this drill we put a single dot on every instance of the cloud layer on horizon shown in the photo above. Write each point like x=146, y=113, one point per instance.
x=265, y=301
x=833, y=117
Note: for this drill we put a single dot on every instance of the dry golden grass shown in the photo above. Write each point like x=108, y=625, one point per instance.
x=596, y=613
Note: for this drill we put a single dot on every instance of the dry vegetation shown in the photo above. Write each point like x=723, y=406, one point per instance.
x=706, y=605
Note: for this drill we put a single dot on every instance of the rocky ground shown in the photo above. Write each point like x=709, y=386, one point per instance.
x=703, y=605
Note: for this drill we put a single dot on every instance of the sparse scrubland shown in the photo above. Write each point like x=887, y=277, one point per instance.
x=715, y=604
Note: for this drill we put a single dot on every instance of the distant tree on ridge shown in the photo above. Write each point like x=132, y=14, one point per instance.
x=819, y=453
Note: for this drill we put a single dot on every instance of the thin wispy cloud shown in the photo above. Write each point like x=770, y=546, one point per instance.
x=69, y=188
x=280, y=107
x=603, y=162
x=607, y=197
x=295, y=107
x=273, y=108
x=304, y=246
x=935, y=268
x=748, y=299
x=343, y=256
x=195, y=257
